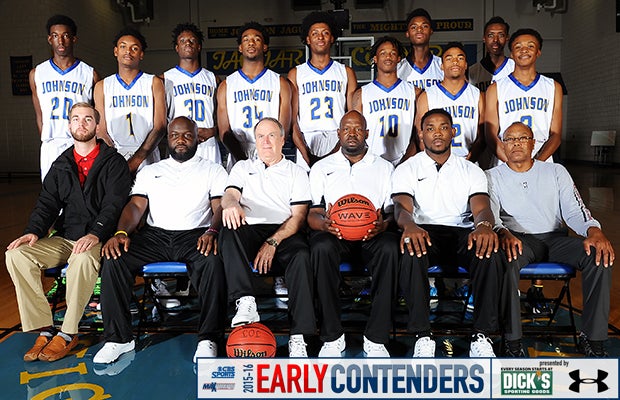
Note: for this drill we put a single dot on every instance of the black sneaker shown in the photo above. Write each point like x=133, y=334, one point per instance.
x=514, y=349
x=592, y=348
x=537, y=301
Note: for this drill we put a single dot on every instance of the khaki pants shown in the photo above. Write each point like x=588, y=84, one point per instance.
x=25, y=264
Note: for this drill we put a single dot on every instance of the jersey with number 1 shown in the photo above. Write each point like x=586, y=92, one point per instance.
x=531, y=104
x=389, y=113
x=423, y=78
x=57, y=91
x=191, y=94
x=463, y=107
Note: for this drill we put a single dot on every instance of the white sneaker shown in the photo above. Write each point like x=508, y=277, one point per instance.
x=246, y=312
x=160, y=289
x=297, y=346
x=481, y=347
x=280, y=289
x=424, y=347
x=111, y=351
x=333, y=349
x=374, y=350
x=205, y=349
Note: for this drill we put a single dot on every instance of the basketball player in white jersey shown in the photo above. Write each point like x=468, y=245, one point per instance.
x=525, y=96
x=132, y=104
x=190, y=89
x=462, y=100
x=249, y=94
x=56, y=85
x=494, y=65
x=322, y=91
x=388, y=104
x=420, y=67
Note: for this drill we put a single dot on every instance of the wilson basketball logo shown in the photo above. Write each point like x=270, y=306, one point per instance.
x=354, y=215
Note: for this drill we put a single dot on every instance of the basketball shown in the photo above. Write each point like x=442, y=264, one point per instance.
x=251, y=340
x=354, y=215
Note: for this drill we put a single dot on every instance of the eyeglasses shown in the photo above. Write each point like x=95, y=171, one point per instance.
x=521, y=139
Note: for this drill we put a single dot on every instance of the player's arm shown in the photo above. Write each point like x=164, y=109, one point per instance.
x=285, y=112
x=351, y=87
x=297, y=135
x=128, y=222
x=491, y=123
x=159, y=127
x=96, y=77
x=102, y=127
x=555, y=130
x=478, y=145
x=227, y=136
x=35, y=101
x=356, y=103
x=205, y=134
x=415, y=139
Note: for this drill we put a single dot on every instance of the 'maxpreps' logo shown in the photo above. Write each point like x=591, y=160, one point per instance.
x=578, y=381
x=527, y=382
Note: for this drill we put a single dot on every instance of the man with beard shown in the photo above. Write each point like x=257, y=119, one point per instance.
x=494, y=65
x=354, y=169
x=182, y=195
x=441, y=203
x=88, y=186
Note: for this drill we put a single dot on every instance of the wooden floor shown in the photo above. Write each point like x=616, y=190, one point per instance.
x=600, y=188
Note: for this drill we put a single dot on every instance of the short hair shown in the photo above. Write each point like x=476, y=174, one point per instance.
x=395, y=42
x=189, y=27
x=318, y=17
x=253, y=25
x=525, y=31
x=434, y=111
x=274, y=120
x=419, y=12
x=451, y=45
x=83, y=104
x=497, y=20
x=130, y=31
x=59, y=19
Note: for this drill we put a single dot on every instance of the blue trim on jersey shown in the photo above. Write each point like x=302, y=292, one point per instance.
x=387, y=89
x=126, y=86
x=66, y=71
x=247, y=78
x=501, y=67
x=320, y=71
x=450, y=95
x=522, y=86
x=423, y=70
x=186, y=72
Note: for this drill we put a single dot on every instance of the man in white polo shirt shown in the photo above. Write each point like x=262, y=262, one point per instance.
x=354, y=169
x=263, y=210
x=182, y=195
x=441, y=203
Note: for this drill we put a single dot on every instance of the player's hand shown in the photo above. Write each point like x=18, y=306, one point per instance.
x=510, y=244
x=414, y=240
x=602, y=246
x=264, y=258
x=134, y=163
x=329, y=224
x=29, y=238
x=85, y=243
x=486, y=241
x=379, y=226
x=233, y=217
x=112, y=248
x=207, y=243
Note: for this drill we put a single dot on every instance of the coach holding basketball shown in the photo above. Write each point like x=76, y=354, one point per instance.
x=353, y=169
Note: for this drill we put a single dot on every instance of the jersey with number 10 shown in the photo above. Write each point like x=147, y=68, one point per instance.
x=57, y=91
x=191, y=95
x=532, y=105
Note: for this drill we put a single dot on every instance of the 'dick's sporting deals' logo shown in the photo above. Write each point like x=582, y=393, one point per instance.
x=527, y=383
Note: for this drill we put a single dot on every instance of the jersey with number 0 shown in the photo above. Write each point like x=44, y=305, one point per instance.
x=463, y=107
x=389, y=113
x=129, y=109
x=482, y=78
x=248, y=100
x=57, y=91
x=423, y=78
x=191, y=94
x=532, y=105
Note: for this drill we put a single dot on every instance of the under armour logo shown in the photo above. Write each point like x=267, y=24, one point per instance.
x=578, y=381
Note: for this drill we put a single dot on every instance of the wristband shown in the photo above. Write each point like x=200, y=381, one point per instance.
x=212, y=230
x=121, y=232
x=485, y=223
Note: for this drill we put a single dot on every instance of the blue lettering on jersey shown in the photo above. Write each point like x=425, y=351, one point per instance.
x=193, y=88
x=63, y=86
x=389, y=103
x=325, y=85
x=130, y=100
x=526, y=103
x=461, y=111
x=424, y=83
x=253, y=95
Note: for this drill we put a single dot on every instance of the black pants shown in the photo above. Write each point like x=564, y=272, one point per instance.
x=149, y=245
x=449, y=248
x=239, y=248
x=380, y=255
x=558, y=247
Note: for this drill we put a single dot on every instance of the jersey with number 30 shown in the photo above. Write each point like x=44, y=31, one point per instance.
x=463, y=107
x=57, y=91
x=190, y=94
x=532, y=105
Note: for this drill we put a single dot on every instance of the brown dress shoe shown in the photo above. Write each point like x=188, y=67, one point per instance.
x=57, y=348
x=39, y=344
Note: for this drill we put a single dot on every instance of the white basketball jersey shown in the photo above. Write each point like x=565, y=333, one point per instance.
x=481, y=77
x=249, y=100
x=428, y=76
x=389, y=114
x=191, y=94
x=129, y=109
x=57, y=91
x=532, y=105
x=463, y=107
